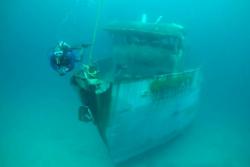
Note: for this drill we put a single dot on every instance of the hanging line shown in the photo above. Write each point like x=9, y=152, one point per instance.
x=98, y=14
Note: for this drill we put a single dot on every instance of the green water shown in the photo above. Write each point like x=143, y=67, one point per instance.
x=39, y=126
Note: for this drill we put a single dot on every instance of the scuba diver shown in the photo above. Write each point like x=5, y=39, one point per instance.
x=63, y=57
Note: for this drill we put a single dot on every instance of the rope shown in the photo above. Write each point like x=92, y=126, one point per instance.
x=98, y=13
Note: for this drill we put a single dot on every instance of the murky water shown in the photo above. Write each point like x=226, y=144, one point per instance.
x=38, y=109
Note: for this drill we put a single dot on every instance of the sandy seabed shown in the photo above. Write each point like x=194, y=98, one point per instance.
x=45, y=131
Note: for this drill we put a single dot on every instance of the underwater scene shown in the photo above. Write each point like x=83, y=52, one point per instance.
x=122, y=83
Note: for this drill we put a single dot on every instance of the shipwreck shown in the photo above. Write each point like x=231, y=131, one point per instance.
x=141, y=96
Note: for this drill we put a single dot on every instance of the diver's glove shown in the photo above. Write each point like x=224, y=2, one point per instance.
x=85, y=45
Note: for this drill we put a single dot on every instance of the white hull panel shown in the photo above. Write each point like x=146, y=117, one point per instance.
x=139, y=122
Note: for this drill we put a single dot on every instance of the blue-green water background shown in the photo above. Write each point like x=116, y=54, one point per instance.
x=38, y=109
